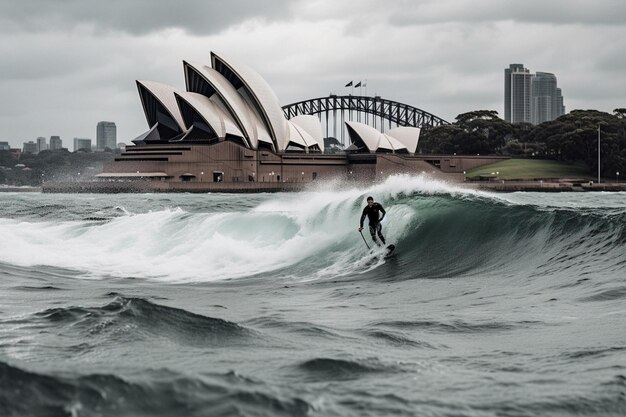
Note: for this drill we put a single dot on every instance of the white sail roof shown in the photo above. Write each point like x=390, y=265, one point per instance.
x=311, y=124
x=262, y=95
x=299, y=136
x=237, y=106
x=296, y=137
x=165, y=95
x=408, y=136
x=373, y=139
x=368, y=135
x=219, y=120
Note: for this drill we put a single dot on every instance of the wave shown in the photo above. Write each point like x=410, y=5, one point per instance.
x=398, y=339
x=340, y=369
x=128, y=319
x=24, y=392
x=610, y=403
x=303, y=328
x=608, y=295
x=440, y=230
x=456, y=326
x=37, y=288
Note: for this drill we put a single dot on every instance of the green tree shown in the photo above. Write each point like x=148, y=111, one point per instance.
x=620, y=113
x=439, y=139
x=574, y=137
x=480, y=131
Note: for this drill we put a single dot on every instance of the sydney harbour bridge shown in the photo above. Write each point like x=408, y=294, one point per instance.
x=377, y=112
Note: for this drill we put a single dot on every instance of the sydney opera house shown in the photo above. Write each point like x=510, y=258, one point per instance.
x=227, y=130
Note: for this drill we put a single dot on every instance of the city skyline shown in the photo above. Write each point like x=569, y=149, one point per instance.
x=531, y=97
x=444, y=57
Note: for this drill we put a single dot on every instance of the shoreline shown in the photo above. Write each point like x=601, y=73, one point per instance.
x=546, y=186
x=131, y=187
x=20, y=189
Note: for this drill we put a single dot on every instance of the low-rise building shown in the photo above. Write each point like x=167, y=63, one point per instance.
x=41, y=144
x=30, y=147
x=55, y=143
x=82, y=144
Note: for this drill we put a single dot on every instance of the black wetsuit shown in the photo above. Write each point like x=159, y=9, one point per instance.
x=372, y=214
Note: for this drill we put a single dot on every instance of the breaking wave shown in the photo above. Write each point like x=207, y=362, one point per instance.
x=440, y=231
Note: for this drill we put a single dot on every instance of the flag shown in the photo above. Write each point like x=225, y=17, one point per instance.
x=364, y=84
x=357, y=84
x=349, y=84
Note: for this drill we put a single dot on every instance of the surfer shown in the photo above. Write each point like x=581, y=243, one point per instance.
x=372, y=211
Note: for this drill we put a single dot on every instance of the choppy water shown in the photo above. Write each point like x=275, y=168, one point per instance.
x=271, y=305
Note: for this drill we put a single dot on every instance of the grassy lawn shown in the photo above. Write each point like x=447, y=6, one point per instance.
x=527, y=169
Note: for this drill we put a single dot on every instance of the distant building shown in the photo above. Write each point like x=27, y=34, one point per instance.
x=106, y=136
x=560, y=107
x=55, y=143
x=4, y=146
x=544, y=98
x=517, y=94
x=41, y=144
x=30, y=147
x=80, y=143
x=531, y=98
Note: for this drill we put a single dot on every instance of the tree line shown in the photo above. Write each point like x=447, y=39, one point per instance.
x=570, y=138
x=58, y=165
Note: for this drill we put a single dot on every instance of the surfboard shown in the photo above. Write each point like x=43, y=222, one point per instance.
x=390, y=249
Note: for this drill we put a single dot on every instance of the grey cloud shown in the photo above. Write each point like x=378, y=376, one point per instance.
x=601, y=12
x=39, y=59
x=137, y=16
x=614, y=61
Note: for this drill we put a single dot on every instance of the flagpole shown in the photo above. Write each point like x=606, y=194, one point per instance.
x=366, y=114
x=360, y=95
x=351, y=85
x=350, y=104
x=598, y=154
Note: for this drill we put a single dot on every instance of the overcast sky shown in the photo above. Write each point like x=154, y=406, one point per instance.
x=67, y=64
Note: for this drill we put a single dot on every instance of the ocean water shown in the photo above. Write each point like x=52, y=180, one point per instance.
x=271, y=305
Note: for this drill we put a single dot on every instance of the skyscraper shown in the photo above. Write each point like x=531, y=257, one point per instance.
x=507, y=89
x=560, y=107
x=531, y=98
x=517, y=94
x=41, y=144
x=106, y=136
x=544, y=98
x=55, y=143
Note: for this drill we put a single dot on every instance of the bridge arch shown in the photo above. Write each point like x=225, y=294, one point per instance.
x=374, y=111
